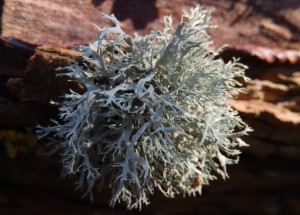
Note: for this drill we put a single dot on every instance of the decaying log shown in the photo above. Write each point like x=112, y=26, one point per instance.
x=273, y=24
x=265, y=34
x=68, y=23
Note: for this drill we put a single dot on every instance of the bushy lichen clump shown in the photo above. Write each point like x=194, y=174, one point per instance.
x=154, y=114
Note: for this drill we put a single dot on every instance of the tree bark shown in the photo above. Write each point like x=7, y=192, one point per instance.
x=36, y=38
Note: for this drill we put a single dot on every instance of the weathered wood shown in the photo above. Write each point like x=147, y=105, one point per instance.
x=66, y=23
x=266, y=181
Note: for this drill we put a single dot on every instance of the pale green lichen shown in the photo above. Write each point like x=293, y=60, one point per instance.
x=154, y=114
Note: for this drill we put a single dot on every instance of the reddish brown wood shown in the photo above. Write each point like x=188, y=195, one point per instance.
x=262, y=23
x=266, y=181
x=66, y=23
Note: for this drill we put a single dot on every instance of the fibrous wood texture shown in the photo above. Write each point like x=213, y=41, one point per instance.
x=71, y=22
x=265, y=34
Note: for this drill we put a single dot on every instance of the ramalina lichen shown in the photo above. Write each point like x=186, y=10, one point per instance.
x=155, y=112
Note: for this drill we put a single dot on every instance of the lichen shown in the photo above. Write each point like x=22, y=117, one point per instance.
x=154, y=114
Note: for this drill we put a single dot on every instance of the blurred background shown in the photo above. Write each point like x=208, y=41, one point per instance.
x=37, y=36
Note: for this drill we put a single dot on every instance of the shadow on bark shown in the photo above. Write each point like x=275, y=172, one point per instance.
x=97, y=3
x=141, y=12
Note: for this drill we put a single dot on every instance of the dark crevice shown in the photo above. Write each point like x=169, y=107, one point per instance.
x=140, y=12
x=97, y=3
